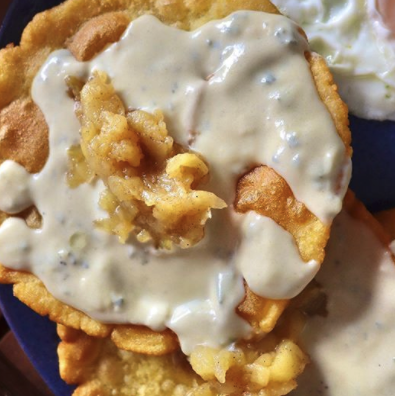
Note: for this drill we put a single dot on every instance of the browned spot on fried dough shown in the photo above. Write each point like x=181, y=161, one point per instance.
x=95, y=34
x=24, y=135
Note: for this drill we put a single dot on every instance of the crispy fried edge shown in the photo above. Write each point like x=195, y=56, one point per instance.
x=98, y=368
x=81, y=357
x=31, y=291
x=70, y=20
x=278, y=202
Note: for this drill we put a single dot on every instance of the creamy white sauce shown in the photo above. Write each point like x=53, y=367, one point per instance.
x=251, y=110
x=281, y=272
x=14, y=197
x=358, y=47
x=353, y=348
x=242, y=85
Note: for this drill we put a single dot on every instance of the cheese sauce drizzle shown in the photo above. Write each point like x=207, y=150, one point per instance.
x=352, y=349
x=238, y=92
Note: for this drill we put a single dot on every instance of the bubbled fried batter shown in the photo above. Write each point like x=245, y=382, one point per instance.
x=96, y=34
x=72, y=22
x=68, y=18
x=24, y=135
x=261, y=313
x=211, y=365
x=268, y=367
x=279, y=203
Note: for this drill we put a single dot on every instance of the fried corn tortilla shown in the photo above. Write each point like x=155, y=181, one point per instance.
x=85, y=28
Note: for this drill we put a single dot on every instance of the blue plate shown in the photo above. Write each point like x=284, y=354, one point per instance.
x=373, y=181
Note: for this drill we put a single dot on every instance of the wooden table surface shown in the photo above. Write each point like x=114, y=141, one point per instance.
x=17, y=375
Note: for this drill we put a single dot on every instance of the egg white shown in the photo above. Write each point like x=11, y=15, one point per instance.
x=358, y=47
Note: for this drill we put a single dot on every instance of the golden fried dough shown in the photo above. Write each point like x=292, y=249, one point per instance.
x=95, y=34
x=264, y=191
x=268, y=367
x=68, y=18
x=328, y=92
x=86, y=27
x=31, y=291
x=278, y=202
x=88, y=362
x=24, y=135
x=261, y=313
x=99, y=368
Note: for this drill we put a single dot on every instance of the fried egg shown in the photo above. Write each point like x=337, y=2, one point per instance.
x=357, y=39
